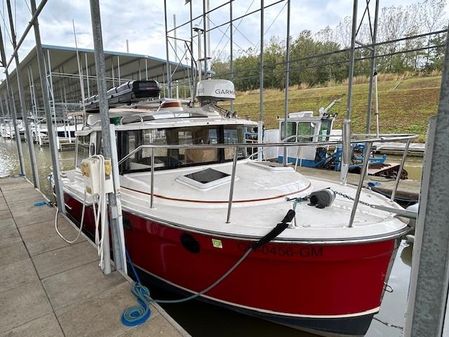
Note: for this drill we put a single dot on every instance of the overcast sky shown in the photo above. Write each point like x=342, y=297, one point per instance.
x=142, y=22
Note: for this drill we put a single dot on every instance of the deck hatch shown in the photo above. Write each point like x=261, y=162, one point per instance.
x=207, y=176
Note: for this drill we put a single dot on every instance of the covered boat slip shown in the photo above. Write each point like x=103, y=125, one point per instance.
x=50, y=288
x=259, y=203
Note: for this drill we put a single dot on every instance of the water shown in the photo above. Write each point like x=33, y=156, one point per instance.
x=413, y=165
x=205, y=320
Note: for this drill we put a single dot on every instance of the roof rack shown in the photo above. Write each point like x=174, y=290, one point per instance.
x=126, y=93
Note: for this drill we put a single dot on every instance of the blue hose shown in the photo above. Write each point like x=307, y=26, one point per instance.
x=139, y=314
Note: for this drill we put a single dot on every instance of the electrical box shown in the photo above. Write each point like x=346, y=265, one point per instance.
x=90, y=169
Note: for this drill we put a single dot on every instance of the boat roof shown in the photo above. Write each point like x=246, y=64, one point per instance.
x=132, y=118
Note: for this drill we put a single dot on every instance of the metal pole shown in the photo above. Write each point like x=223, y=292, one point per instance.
x=167, y=54
x=373, y=67
x=22, y=102
x=200, y=66
x=48, y=114
x=33, y=105
x=231, y=188
x=287, y=81
x=231, y=48
x=261, y=61
x=87, y=75
x=104, y=114
x=175, y=37
x=12, y=108
x=401, y=168
x=10, y=120
x=205, y=38
x=346, y=155
x=428, y=294
x=112, y=72
x=360, y=185
x=80, y=71
x=152, y=179
x=118, y=70
x=192, y=86
x=146, y=69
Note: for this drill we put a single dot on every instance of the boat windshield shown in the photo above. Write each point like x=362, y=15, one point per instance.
x=173, y=158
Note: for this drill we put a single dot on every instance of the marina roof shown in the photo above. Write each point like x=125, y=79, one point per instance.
x=64, y=76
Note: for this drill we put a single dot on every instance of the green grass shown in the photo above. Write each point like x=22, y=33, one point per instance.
x=405, y=105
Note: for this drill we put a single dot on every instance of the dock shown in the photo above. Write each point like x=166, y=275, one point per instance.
x=397, y=149
x=50, y=288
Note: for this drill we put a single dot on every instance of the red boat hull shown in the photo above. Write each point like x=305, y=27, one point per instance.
x=331, y=288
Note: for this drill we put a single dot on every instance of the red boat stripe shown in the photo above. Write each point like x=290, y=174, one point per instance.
x=217, y=201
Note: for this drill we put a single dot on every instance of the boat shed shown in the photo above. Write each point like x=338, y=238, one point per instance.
x=70, y=69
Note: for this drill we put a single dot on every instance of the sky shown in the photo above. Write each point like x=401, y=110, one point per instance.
x=141, y=22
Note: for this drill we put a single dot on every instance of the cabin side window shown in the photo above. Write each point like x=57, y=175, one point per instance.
x=325, y=130
x=290, y=132
x=306, y=131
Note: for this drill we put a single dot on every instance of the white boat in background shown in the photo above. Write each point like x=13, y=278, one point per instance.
x=197, y=211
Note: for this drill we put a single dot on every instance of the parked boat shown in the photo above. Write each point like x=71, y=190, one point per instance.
x=195, y=206
x=305, y=126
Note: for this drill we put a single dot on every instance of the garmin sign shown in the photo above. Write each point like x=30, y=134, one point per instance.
x=218, y=90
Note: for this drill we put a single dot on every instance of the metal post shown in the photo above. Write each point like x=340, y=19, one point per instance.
x=175, y=37
x=231, y=48
x=152, y=179
x=12, y=108
x=360, y=185
x=373, y=67
x=22, y=102
x=51, y=92
x=146, y=69
x=34, y=109
x=117, y=192
x=112, y=72
x=207, y=49
x=428, y=294
x=192, y=86
x=401, y=168
x=48, y=114
x=200, y=68
x=104, y=113
x=287, y=82
x=261, y=61
x=87, y=75
x=346, y=155
x=167, y=54
x=80, y=70
x=205, y=38
x=9, y=116
x=118, y=70
x=231, y=188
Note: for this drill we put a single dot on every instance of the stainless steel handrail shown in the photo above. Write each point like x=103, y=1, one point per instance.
x=360, y=185
x=401, y=167
x=235, y=146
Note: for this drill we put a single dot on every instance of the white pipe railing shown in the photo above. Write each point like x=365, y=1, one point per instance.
x=235, y=147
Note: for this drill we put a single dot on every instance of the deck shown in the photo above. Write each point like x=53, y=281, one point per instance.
x=50, y=288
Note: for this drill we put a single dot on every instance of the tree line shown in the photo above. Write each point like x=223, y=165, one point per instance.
x=318, y=58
